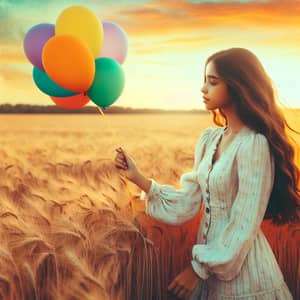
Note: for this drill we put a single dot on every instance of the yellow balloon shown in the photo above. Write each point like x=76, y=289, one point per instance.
x=82, y=23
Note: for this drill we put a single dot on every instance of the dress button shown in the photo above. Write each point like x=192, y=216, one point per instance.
x=204, y=237
x=207, y=191
x=207, y=210
x=206, y=224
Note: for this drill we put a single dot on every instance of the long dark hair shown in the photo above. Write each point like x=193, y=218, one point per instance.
x=254, y=97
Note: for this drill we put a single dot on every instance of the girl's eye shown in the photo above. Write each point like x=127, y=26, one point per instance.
x=213, y=82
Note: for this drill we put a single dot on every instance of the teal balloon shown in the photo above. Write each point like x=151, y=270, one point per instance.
x=108, y=82
x=48, y=86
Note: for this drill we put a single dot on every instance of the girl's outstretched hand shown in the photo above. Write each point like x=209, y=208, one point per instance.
x=126, y=164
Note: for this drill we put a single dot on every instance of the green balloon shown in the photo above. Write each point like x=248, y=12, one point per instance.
x=48, y=86
x=108, y=82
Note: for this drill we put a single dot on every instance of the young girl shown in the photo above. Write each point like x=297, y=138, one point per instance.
x=243, y=172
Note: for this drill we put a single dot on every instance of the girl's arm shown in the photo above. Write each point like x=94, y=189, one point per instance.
x=142, y=182
x=175, y=206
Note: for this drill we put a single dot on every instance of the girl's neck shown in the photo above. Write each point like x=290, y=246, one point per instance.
x=234, y=123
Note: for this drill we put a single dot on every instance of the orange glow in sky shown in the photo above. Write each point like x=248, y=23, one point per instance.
x=169, y=42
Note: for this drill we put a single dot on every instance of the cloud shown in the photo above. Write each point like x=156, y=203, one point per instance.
x=156, y=18
x=164, y=17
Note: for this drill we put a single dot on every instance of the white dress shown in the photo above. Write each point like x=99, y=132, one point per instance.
x=232, y=256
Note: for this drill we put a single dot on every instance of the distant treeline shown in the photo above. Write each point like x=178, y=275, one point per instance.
x=53, y=109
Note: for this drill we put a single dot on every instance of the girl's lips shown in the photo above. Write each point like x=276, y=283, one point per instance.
x=205, y=99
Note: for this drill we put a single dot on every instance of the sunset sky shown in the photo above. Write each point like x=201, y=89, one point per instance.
x=169, y=42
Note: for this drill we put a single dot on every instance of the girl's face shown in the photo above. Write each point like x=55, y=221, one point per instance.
x=215, y=92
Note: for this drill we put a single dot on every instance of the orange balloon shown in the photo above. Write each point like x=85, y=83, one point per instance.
x=69, y=62
x=71, y=102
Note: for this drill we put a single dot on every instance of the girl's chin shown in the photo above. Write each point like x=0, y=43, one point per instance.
x=209, y=107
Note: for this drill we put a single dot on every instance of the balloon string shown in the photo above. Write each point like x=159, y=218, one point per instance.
x=123, y=177
x=107, y=122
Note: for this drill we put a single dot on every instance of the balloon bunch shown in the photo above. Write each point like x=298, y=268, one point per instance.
x=78, y=59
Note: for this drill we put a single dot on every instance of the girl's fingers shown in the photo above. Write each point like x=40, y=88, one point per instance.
x=173, y=284
x=121, y=166
x=121, y=162
x=177, y=289
x=119, y=150
x=120, y=158
x=182, y=294
x=120, y=153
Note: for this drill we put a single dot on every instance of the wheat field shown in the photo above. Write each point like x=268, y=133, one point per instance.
x=70, y=229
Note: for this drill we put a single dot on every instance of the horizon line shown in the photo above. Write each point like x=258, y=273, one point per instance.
x=122, y=107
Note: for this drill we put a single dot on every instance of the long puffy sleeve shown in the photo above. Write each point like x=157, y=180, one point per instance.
x=224, y=256
x=177, y=206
